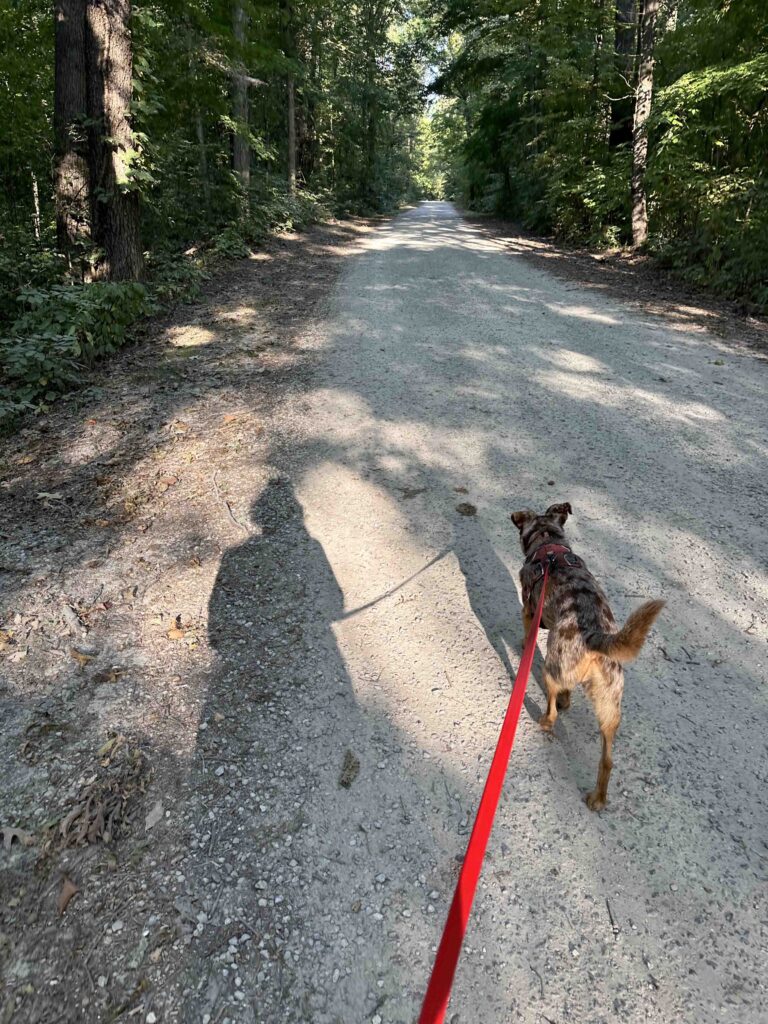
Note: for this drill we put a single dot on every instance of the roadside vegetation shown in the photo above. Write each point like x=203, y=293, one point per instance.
x=141, y=144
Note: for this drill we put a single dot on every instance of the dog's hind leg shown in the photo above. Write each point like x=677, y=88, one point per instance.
x=608, y=711
x=563, y=700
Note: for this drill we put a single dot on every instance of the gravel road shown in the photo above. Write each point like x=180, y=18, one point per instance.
x=241, y=555
x=452, y=373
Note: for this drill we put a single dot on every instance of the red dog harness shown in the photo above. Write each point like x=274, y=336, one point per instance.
x=556, y=556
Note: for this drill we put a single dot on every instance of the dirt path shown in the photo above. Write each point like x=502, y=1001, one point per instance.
x=272, y=598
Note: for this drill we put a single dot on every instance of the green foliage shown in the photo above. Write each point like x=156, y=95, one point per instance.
x=535, y=86
x=61, y=331
x=358, y=72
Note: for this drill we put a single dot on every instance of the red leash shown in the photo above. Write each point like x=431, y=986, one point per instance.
x=439, y=989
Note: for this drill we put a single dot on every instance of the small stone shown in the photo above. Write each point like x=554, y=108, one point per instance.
x=151, y=1018
x=102, y=981
x=406, y=913
x=117, y=926
x=219, y=771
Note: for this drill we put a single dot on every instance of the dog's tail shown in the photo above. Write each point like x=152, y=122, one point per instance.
x=625, y=645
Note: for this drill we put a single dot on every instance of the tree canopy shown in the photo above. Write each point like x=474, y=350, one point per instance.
x=132, y=133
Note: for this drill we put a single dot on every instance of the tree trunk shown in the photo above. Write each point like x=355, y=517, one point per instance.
x=241, y=151
x=71, y=180
x=291, y=86
x=114, y=202
x=202, y=158
x=625, y=48
x=643, y=98
x=35, y=206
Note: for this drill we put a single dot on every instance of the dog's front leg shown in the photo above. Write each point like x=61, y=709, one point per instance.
x=527, y=622
x=547, y=722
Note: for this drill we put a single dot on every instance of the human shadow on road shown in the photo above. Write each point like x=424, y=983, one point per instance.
x=280, y=699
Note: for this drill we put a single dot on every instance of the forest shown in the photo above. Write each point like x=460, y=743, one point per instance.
x=140, y=144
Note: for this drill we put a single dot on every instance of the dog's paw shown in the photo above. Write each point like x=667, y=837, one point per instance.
x=594, y=801
x=546, y=724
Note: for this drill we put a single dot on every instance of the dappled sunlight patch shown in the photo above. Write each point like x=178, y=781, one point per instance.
x=402, y=649
x=576, y=362
x=607, y=394
x=190, y=336
x=582, y=313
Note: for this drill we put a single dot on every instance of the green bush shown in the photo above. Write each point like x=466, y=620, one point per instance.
x=61, y=331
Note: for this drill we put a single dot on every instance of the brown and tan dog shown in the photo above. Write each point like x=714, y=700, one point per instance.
x=584, y=645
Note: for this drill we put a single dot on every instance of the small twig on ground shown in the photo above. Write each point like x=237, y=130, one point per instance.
x=541, y=980
x=406, y=816
x=615, y=927
x=227, y=505
x=751, y=626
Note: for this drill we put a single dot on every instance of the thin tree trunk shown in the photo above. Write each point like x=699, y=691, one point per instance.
x=35, y=206
x=625, y=47
x=71, y=178
x=114, y=202
x=291, y=86
x=643, y=101
x=241, y=150
x=202, y=158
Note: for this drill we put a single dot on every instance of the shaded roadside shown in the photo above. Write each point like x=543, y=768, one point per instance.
x=635, y=280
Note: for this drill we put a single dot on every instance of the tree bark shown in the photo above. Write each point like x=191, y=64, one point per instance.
x=71, y=177
x=643, y=99
x=114, y=202
x=35, y=206
x=625, y=49
x=241, y=151
x=291, y=87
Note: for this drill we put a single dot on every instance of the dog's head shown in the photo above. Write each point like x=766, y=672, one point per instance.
x=536, y=529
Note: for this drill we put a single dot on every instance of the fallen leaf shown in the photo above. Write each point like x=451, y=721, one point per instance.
x=108, y=676
x=154, y=816
x=175, y=633
x=349, y=770
x=230, y=417
x=25, y=460
x=169, y=481
x=466, y=509
x=81, y=659
x=50, y=496
x=68, y=890
x=21, y=837
x=110, y=746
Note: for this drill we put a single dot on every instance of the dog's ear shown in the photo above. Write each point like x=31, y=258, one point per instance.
x=521, y=518
x=562, y=511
